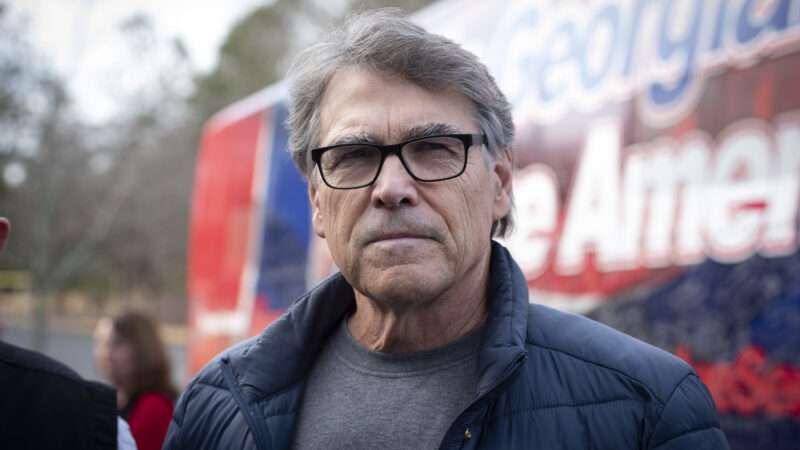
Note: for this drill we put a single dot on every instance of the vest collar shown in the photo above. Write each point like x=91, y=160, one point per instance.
x=285, y=351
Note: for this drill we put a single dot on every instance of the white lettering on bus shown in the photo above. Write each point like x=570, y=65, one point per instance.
x=666, y=202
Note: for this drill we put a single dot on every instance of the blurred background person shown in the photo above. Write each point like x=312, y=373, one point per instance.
x=130, y=353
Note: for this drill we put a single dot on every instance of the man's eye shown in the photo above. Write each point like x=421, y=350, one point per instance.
x=348, y=156
x=431, y=145
x=437, y=146
x=355, y=153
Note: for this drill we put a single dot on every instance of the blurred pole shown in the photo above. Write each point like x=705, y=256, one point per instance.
x=40, y=320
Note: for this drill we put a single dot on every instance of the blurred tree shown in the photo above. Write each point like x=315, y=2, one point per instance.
x=100, y=208
x=32, y=103
x=147, y=159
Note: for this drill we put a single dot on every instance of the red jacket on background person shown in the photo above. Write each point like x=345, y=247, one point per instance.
x=148, y=415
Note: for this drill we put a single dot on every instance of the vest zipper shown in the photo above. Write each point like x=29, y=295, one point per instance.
x=253, y=416
x=500, y=381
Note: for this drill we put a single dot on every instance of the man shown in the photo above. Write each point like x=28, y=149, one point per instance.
x=426, y=339
x=45, y=404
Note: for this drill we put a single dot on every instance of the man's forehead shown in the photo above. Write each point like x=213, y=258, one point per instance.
x=366, y=106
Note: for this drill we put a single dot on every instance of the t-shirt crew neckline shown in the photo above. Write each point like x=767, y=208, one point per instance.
x=396, y=365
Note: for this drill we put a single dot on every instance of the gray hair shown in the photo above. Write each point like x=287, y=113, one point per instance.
x=387, y=43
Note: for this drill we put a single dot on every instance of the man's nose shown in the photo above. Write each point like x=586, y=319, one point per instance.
x=394, y=186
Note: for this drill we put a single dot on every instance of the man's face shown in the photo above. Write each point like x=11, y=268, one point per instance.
x=400, y=241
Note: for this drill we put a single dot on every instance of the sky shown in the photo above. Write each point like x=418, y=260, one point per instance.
x=80, y=38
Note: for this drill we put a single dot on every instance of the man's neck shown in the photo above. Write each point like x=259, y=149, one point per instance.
x=425, y=327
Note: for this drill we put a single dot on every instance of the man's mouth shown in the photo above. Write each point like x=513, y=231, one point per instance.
x=388, y=237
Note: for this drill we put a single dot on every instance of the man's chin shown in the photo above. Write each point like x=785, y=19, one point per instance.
x=403, y=284
x=389, y=253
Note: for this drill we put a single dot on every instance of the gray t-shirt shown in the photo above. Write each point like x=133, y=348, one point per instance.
x=359, y=399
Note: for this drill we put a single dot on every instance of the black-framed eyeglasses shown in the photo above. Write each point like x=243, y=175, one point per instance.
x=430, y=158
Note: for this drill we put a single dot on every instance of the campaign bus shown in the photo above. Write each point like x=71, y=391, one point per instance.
x=657, y=180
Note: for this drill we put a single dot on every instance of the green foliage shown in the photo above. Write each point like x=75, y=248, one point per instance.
x=251, y=58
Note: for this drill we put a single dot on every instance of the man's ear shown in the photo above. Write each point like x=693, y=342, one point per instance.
x=502, y=184
x=316, y=214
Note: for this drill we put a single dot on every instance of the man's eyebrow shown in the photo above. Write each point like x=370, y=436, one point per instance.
x=418, y=131
x=430, y=129
x=353, y=138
